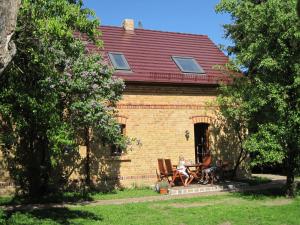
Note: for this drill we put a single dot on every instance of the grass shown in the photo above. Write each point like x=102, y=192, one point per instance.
x=264, y=207
x=230, y=208
x=79, y=196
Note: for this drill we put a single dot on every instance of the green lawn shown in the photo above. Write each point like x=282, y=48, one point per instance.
x=92, y=196
x=230, y=208
x=79, y=196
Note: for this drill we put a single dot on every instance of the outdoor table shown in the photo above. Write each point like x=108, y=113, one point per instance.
x=196, y=165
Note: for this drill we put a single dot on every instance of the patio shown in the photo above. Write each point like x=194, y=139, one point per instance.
x=199, y=188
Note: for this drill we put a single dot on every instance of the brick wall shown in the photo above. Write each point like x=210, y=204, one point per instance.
x=159, y=116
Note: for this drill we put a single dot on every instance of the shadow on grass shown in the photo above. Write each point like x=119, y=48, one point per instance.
x=65, y=197
x=255, y=180
x=266, y=193
x=51, y=198
x=50, y=216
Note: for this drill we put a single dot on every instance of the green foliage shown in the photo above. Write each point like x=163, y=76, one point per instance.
x=2, y=217
x=266, y=38
x=234, y=114
x=163, y=184
x=52, y=91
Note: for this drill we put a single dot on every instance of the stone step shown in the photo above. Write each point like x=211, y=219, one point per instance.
x=198, y=188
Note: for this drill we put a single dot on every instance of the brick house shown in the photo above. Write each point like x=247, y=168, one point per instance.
x=168, y=103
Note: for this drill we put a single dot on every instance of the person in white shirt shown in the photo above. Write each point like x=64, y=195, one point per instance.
x=183, y=170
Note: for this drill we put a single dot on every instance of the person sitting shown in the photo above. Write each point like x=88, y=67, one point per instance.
x=181, y=168
x=210, y=172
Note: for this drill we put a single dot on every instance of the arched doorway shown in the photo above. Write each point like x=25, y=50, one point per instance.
x=201, y=140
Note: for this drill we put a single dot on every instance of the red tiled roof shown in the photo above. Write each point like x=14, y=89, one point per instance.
x=149, y=52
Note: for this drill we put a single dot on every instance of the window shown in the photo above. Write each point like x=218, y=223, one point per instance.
x=119, y=61
x=116, y=150
x=187, y=64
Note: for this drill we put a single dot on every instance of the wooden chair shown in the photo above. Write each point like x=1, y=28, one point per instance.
x=169, y=167
x=219, y=173
x=206, y=163
x=193, y=175
x=163, y=173
x=175, y=173
x=170, y=170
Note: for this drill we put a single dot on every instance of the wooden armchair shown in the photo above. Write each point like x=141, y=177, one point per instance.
x=163, y=173
x=175, y=173
x=222, y=168
x=171, y=169
x=206, y=162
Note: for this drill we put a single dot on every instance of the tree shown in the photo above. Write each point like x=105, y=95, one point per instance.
x=233, y=112
x=53, y=92
x=266, y=40
x=298, y=8
x=8, y=11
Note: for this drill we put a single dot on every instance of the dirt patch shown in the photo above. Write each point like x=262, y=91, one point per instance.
x=225, y=223
x=234, y=201
x=202, y=204
x=191, y=205
x=278, y=202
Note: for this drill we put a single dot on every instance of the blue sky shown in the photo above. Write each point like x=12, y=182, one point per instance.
x=191, y=16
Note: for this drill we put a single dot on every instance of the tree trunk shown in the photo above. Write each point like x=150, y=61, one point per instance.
x=238, y=163
x=8, y=19
x=290, y=173
x=87, y=162
x=33, y=164
x=241, y=156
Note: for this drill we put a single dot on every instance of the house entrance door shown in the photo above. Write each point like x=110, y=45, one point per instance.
x=201, y=140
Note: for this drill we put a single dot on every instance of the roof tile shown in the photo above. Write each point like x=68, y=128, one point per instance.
x=149, y=53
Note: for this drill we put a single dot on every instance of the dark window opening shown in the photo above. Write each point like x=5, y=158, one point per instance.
x=201, y=133
x=116, y=150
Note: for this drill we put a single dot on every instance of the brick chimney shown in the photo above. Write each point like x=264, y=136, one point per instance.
x=128, y=24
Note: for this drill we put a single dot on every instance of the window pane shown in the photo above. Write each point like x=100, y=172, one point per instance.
x=119, y=61
x=116, y=150
x=188, y=65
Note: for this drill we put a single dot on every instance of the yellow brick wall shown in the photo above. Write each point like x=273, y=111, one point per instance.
x=159, y=116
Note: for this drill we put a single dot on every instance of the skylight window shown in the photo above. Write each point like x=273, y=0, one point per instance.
x=187, y=64
x=119, y=61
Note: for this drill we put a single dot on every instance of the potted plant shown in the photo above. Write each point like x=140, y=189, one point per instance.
x=163, y=187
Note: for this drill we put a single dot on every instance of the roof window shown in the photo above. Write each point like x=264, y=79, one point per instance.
x=187, y=64
x=119, y=61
